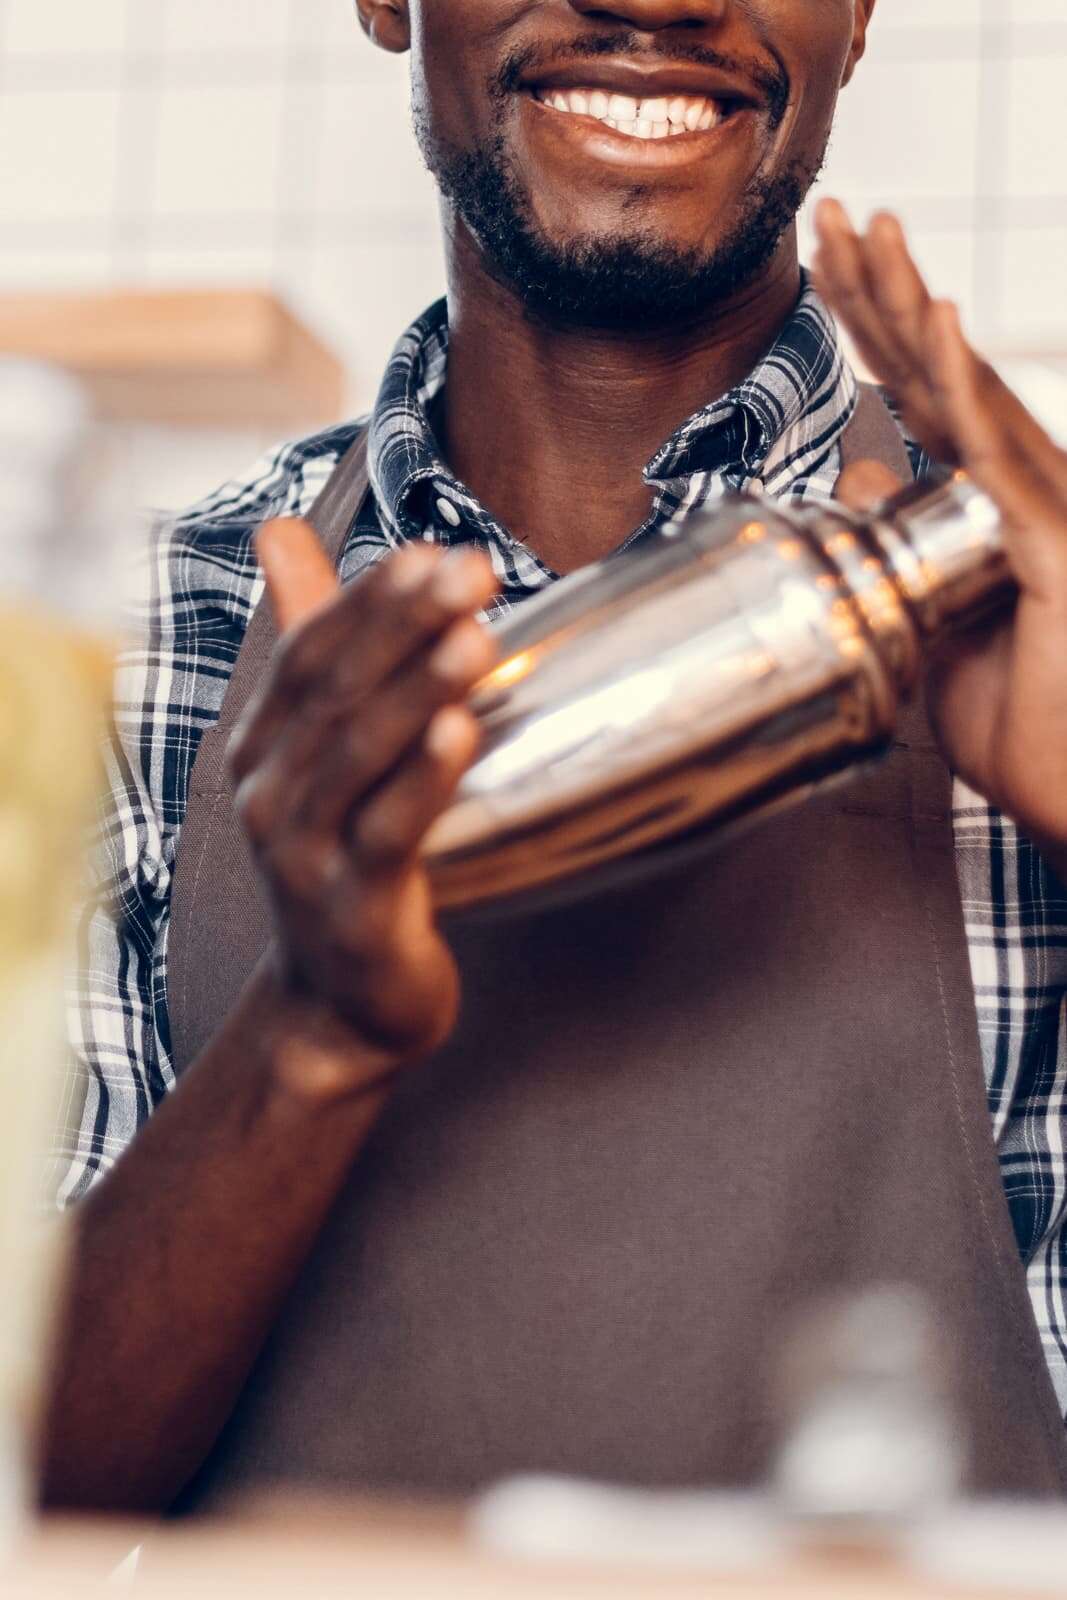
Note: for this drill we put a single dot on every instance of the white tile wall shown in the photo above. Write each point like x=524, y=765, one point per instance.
x=266, y=141
x=36, y=28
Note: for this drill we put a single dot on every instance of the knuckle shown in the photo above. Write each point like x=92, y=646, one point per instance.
x=370, y=925
x=408, y=614
x=384, y=576
x=851, y=291
x=381, y=833
x=898, y=309
x=372, y=740
x=300, y=866
x=357, y=745
x=297, y=656
x=317, y=866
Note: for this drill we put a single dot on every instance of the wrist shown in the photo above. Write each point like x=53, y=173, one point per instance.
x=313, y=1058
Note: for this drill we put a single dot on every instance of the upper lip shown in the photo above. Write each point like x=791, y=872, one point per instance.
x=623, y=75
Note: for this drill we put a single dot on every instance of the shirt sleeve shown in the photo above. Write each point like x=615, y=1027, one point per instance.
x=199, y=583
x=118, y=1067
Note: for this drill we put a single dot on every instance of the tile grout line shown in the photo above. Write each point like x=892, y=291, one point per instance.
x=989, y=174
x=294, y=138
x=138, y=126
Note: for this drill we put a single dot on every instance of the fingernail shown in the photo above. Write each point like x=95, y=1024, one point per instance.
x=459, y=656
x=408, y=569
x=455, y=586
x=445, y=731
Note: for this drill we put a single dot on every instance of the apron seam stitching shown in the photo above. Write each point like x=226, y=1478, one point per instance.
x=191, y=903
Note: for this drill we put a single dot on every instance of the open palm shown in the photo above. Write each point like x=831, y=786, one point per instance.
x=998, y=695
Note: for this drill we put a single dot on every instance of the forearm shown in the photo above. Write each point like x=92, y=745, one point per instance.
x=187, y=1248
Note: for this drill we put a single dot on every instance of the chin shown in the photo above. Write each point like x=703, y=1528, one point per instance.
x=614, y=284
x=628, y=282
x=637, y=280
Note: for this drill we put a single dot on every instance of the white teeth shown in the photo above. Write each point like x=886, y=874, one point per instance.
x=639, y=119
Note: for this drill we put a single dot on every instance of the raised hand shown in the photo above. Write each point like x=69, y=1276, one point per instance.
x=998, y=696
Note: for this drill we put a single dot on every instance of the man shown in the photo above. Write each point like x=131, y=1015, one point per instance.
x=360, y=1242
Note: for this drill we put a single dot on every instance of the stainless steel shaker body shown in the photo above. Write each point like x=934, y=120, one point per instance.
x=727, y=665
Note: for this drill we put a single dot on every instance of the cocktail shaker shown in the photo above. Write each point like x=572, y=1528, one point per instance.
x=723, y=667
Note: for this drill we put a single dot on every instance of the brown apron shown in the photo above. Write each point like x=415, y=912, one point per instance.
x=669, y=1115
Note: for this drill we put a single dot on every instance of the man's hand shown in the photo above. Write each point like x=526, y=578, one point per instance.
x=998, y=696
x=351, y=749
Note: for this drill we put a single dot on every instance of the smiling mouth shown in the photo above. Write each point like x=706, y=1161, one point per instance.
x=652, y=117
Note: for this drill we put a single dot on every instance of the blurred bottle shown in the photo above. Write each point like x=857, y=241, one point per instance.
x=57, y=614
x=872, y=1439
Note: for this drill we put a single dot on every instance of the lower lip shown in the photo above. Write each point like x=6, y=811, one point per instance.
x=606, y=144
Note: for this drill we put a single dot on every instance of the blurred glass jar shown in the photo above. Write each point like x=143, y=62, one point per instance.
x=872, y=1435
x=58, y=610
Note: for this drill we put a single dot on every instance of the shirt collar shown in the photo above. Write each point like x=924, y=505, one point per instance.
x=799, y=397
x=770, y=428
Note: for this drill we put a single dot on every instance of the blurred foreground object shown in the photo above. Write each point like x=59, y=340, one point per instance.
x=283, y=1548
x=723, y=667
x=872, y=1439
x=58, y=591
x=868, y=1470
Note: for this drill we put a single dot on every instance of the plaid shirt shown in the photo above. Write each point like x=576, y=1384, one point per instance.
x=778, y=432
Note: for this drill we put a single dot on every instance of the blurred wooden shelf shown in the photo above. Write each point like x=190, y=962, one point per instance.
x=229, y=357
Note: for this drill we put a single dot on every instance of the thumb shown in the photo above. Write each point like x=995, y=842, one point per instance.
x=300, y=576
x=865, y=484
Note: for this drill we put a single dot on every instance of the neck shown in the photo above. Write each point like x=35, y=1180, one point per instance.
x=530, y=411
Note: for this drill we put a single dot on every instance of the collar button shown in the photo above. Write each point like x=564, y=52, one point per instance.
x=447, y=512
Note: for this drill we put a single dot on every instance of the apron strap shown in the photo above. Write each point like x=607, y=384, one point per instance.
x=874, y=435
x=341, y=498
x=335, y=510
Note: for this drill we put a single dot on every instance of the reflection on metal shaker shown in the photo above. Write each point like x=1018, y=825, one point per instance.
x=723, y=667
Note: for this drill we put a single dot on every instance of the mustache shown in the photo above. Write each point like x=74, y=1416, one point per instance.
x=773, y=82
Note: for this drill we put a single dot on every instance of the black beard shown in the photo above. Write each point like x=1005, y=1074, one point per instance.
x=622, y=282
